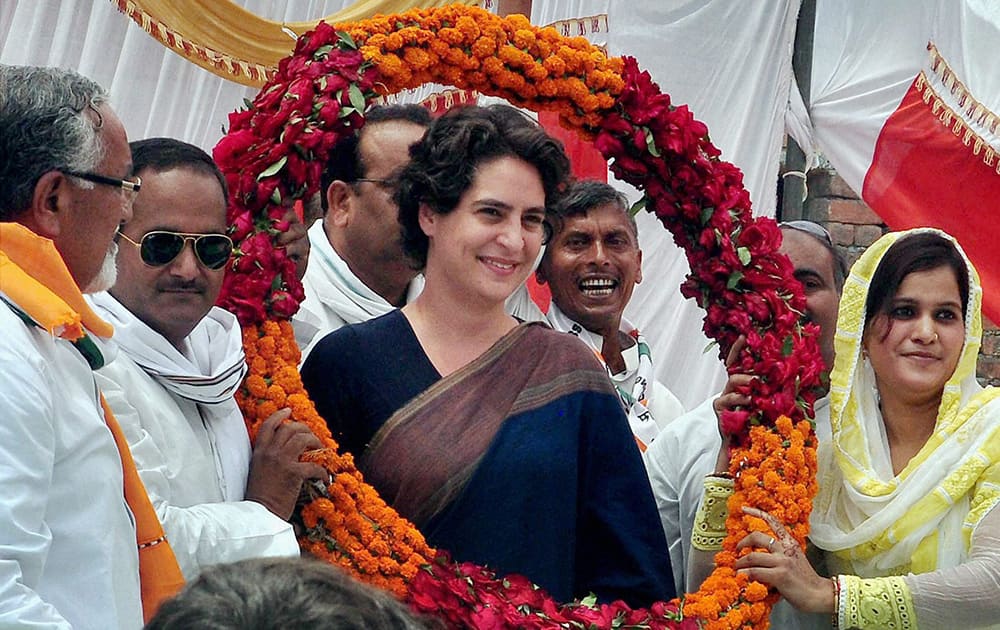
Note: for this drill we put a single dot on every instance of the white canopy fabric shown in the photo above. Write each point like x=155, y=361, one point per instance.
x=867, y=55
x=730, y=62
x=905, y=103
x=154, y=91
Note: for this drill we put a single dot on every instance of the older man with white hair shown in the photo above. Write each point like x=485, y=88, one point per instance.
x=71, y=542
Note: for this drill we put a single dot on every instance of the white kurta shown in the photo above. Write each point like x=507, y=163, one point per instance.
x=656, y=406
x=177, y=456
x=68, y=552
x=176, y=453
x=194, y=465
x=664, y=406
x=335, y=296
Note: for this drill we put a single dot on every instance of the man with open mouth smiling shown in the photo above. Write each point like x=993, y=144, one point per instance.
x=592, y=264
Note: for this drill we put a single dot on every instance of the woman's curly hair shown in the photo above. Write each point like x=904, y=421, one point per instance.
x=444, y=163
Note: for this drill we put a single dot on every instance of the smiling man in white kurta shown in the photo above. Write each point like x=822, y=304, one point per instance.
x=592, y=263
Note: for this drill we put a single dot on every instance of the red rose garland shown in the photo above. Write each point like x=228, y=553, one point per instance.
x=273, y=154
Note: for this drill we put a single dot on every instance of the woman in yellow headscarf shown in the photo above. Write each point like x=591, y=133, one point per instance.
x=908, y=484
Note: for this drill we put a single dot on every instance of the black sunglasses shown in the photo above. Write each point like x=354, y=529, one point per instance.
x=161, y=247
x=813, y=229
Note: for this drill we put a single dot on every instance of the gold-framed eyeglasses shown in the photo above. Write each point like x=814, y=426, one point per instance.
x=129, y=187
x=387, y=185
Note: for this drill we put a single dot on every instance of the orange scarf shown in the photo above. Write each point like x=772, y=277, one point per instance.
x=51, y=298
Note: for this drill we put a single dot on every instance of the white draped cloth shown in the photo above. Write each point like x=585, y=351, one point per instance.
x=68, y=556
x=335, y=296
x=188, y=437
x=649, y=404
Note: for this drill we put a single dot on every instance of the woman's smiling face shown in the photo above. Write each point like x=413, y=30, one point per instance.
x=487, y=245
x=914, y=347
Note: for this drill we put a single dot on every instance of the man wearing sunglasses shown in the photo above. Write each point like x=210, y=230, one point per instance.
x=68, y=545
x=180, y=362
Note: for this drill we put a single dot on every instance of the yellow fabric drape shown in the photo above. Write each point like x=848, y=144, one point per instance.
x=236, y=44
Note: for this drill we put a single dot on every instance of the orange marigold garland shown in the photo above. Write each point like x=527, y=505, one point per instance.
x=273, y=154
x=775, y=471
x=345, y=523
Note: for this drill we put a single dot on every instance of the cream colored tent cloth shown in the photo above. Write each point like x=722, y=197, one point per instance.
x=234, y=43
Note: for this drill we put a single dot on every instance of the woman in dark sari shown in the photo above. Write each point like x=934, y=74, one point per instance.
x=503, y=441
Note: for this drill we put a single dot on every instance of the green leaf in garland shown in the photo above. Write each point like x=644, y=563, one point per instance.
x=744, y=255
x=734, y=279
x=346, y=39
x=787, y=346
x=276, y=197
x=357, y=98
x=711, y=344
x=651, y=143
x=589, y=601
x=322, y=51
x=273, y=169
x=637, y=206
x=345, y=112
x=706, y=214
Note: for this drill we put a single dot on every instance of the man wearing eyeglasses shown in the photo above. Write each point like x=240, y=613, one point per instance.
x=357, y=269
x=68, y=546
x=688, y=449
x=180, y=362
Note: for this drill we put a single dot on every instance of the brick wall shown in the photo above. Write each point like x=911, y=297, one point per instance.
x=854, y=227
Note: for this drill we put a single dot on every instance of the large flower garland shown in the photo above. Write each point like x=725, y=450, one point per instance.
x=273, y=154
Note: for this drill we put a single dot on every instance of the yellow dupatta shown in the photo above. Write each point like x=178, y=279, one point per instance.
x=877, y=523
x=35, y=281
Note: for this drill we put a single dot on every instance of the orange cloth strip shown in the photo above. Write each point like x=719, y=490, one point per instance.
x=48, y=292
x=159, y=574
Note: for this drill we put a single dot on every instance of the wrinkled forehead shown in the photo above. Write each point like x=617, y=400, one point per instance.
x=806, y=252
x=599, y=220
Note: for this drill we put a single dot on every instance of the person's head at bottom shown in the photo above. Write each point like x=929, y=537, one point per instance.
x=281, y=594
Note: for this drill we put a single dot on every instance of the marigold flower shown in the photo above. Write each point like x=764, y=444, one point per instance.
x=524, y=39
x=468, y=27
x=555, y=65
x=256, y=385
x=451, y=36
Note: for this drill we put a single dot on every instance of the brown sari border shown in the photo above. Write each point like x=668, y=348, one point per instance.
x=425, y=454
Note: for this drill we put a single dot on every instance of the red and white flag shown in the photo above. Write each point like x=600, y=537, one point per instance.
x=905, y=103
